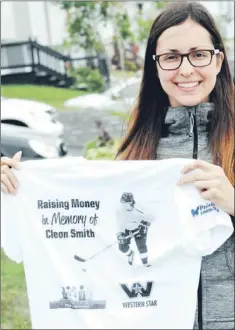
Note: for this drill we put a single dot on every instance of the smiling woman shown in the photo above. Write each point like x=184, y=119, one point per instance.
x=185, y=109
x=185, y=66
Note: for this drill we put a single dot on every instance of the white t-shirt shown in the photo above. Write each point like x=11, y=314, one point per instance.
x=63, y=225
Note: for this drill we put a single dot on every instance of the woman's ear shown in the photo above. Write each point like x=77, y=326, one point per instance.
x=219, y=61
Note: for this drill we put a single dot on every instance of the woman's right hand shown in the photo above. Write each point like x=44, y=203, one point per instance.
x=9, y=183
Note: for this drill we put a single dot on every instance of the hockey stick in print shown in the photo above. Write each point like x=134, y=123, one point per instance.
x=94, y=255
x=78, y=258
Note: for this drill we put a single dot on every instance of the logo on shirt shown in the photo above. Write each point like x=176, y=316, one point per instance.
x=138, y=291
x=203, y=209
x=77, y=298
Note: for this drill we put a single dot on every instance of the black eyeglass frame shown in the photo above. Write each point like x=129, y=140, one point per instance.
x=212, y=52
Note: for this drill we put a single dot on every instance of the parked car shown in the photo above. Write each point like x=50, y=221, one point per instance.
x=33, y=114
x=118, y=98
x=33, y=144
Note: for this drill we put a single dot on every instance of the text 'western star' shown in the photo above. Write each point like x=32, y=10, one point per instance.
x=73, y=203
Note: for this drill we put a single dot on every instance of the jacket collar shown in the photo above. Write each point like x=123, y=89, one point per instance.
x=182, y=119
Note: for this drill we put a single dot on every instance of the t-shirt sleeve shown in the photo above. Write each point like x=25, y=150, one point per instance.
x=204, y=226
x=11, y=215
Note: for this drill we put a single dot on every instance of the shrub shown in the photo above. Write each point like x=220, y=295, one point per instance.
x=90, y=79
x=93, y=151
x=131, y=66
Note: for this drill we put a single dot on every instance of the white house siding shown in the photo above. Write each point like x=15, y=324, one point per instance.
x=21, y=20
x=7, y=26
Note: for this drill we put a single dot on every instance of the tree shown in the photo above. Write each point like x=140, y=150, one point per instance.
x=82, y=20
x=144, y=24
x=122, y=34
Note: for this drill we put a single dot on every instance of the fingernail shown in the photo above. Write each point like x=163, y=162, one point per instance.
x=17, y=158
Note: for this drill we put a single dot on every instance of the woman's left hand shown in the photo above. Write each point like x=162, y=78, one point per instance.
x=212, y=183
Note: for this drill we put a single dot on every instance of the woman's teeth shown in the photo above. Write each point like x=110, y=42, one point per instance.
x=188, y=85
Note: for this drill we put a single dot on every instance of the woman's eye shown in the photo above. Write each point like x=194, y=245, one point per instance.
x=171, y=57
x=199, y=54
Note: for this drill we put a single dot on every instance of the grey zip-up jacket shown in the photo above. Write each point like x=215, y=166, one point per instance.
x=186, y=136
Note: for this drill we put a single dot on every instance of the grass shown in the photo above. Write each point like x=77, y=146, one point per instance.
x=124, y=116
x=14, y=300
x=50, y=95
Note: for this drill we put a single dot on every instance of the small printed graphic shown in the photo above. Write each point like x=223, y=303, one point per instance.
x=77, y=298
x=203, y=209
x=137, y=289
x=133, y=224
x=138, y=292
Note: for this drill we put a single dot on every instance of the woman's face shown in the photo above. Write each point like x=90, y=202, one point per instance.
x=187, y=85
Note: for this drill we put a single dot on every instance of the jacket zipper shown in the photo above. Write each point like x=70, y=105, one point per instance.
x=195, y=138
x=193, y=132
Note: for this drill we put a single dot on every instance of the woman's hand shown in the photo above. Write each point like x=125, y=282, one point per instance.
x=9, y=183
x=212, y=183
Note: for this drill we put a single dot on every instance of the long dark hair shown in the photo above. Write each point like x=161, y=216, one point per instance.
x=147, y=118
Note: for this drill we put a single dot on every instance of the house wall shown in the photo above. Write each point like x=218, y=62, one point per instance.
x=21, y=20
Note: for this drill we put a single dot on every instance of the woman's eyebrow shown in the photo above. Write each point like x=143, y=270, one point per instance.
x=168, y=50
x=177, y=51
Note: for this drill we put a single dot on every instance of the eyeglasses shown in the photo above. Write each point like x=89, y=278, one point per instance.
x=197, y=58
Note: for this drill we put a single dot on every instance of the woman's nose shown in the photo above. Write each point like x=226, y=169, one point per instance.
x=186, y=67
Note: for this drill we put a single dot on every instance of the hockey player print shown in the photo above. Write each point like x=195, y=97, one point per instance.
x=133, y=224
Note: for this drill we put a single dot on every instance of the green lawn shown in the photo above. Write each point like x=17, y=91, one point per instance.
x=14, y=300
x=51, y=95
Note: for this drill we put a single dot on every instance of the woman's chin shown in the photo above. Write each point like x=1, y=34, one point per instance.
x=187, y=101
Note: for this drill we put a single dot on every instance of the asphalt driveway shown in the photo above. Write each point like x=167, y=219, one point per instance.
x=80, y=127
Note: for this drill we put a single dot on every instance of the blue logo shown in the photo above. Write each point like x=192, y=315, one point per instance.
x=202, y=209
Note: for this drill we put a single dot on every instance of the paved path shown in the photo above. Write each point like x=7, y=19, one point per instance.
x=80, y=127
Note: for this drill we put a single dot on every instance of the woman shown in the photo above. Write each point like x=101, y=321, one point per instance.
x=185, y=109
